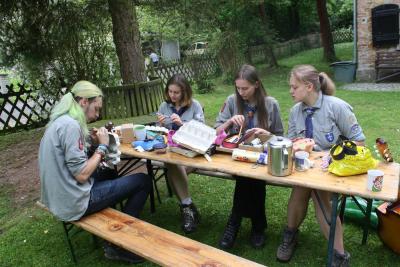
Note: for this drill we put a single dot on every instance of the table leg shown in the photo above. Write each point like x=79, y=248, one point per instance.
x=332, y=229
x=151, y=174
x=367, y=221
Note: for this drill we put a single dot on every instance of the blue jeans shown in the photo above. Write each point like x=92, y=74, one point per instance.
x=108, y=192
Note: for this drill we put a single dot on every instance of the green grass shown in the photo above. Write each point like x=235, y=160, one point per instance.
x=32, y=237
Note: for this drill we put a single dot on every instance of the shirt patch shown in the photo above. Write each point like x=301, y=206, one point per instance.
x=329, y=137
x=80, y=143
x=355, y=129
x=223, y=107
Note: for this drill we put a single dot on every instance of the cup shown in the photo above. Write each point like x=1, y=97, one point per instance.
x=301, y=161
x=140, y=132
x=375, y=180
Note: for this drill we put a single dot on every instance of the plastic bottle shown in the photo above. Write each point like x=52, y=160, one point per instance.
x=250, y=156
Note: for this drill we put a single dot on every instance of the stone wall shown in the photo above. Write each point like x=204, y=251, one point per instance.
x=365, y=51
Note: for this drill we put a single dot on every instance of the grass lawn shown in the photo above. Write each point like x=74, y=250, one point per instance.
x=31, y=237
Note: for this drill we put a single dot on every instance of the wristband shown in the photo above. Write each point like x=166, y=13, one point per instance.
x=103, y=147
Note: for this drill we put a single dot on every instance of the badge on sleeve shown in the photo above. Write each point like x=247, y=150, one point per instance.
x=223, y=107
x=355, y=129
x=329, y=137
x=80, y=143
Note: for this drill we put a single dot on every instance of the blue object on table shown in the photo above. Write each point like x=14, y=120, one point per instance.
x=147, y=145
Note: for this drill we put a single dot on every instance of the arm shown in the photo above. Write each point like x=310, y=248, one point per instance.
x=95, y=159
x=224, y=120
x=198, y=113
x=348, y=124
x=292, y=124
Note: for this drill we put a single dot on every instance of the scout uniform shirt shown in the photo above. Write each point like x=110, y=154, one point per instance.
x=229, y=109
x=192, y=112
x=62, y=156
x=332, y=117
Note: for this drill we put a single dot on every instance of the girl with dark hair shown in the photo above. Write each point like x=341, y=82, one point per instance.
x=179, y=107
x=251, y=108
x=323, y=117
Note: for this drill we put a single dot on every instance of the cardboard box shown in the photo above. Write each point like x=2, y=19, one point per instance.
x=127, y=135
x=246, y=144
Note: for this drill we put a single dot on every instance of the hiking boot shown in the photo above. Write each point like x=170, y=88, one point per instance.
x=340, y=260
x=257, y=239
x=286, y=248
x=113, y=252
x=190, y=217
x=230, y=232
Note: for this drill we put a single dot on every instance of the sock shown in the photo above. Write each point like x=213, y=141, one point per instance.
x=187, y=201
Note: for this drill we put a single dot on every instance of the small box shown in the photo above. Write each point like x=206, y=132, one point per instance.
x=127, y=135
x=246, y=144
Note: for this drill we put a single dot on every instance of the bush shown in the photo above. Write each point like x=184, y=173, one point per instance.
x=203, y=84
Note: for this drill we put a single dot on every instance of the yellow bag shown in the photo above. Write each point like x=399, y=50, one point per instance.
x=350, y=159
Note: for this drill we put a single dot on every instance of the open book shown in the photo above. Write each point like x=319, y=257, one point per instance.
x=195, y=136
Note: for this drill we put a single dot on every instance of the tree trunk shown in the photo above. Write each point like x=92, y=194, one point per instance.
x=268, y=51
x=325, y=30
x=127, y=40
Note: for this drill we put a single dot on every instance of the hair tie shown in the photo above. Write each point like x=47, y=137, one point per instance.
x=321, y=77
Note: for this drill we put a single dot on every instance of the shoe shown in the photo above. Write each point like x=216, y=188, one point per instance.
x=230, y=232
x=113, y=252
x=340, y=260
x=257, y=239
x=190, y=218
x=286, y=248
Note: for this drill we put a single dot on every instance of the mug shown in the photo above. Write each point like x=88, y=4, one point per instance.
x=301, y=161
x=140, y=132
x=375, y=180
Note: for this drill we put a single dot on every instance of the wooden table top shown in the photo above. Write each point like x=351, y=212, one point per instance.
x=314, y=178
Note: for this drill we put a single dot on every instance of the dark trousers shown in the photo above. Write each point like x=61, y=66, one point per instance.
x=108, y=192
x=249, y=201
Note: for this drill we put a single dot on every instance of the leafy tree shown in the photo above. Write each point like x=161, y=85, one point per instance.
x=58, y=42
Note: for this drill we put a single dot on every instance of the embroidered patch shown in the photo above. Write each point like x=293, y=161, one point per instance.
x=329, y=137
x=223, y=107
x=80, y=143
x=355, y=129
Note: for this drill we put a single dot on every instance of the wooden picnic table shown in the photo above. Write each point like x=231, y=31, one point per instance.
x=314, y=178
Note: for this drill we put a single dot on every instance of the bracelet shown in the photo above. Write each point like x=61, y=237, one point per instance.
x=103, y=147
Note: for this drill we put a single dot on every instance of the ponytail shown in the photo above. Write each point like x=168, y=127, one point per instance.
x=327, y=85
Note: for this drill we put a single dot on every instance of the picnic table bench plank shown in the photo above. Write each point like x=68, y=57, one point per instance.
x=154, y=243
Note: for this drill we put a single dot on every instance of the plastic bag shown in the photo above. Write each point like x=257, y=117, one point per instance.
x=350, y=159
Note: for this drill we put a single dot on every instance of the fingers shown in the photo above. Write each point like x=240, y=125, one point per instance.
x=260, y=131
x=102, y=136
x=238, y=120
x=161, y=118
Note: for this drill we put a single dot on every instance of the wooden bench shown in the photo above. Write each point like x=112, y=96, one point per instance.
x=154, y=243
x=387, y=61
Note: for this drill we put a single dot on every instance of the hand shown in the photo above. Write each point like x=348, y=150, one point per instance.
x=102, y=136
x=161, y=118
x=260, y=131
x=237, y=120
x=93, y=136
x=176, y=119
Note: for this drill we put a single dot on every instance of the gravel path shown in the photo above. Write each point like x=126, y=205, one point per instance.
x=383, y=87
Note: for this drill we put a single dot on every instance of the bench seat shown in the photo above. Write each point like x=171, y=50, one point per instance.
x=387, y=61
